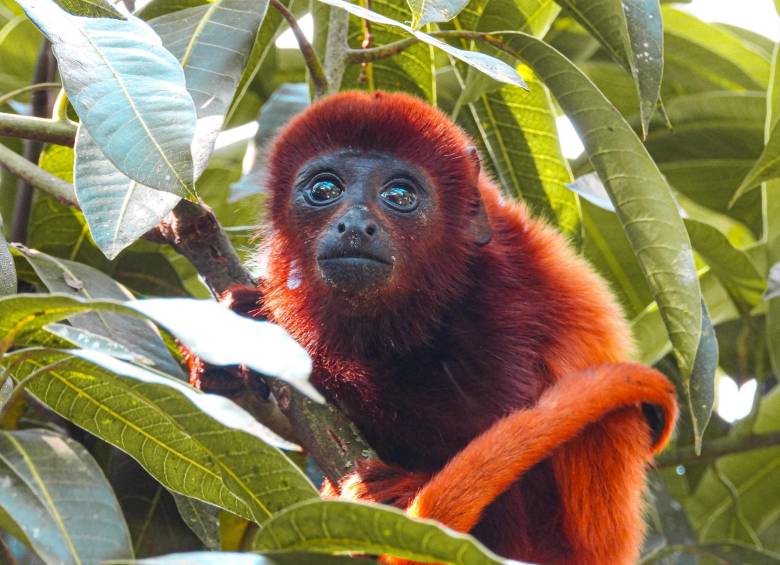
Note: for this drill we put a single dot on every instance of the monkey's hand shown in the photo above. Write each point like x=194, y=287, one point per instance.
x=375, y=481
x=231, y=381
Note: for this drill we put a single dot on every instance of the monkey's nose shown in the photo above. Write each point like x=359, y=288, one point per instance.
x=357, y=226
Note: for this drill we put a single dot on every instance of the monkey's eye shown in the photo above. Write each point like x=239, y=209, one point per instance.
x=400, y=196
x=323, y=191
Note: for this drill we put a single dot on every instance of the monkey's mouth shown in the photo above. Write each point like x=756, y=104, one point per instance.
x=353, y=258
x=352, y=271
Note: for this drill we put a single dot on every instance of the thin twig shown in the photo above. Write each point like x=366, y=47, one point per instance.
x=718, y=448
x=309, y=56
x=394, y=48
x=29, y=88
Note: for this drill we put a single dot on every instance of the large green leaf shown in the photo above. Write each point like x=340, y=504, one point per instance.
x=7, y=270
x=433, y=11
x=117, y=209
x=753, y=478
x=197, y=444
x=411, y=71
x=638, y=191
x=19, y=45
x=732, y=266
x=78, y=280
x=632, y=33
x=212, y=43
x=519, y=134
x=331, y=526
x=771, y=198
x=90, y=8
x=700, y=56
x=495, y=68
x=517, y=129
x=715, y=139
x=144, y=127
x=235, y=558
x=55, y=495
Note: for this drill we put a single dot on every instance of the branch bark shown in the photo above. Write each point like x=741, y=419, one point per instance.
x=309, y=56
x=40, y=129
x=718, y=448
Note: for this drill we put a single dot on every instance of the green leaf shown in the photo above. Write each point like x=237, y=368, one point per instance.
x=638, y=191
x=19, y=44
x=433, y=11
x=767, y=167
x=519, y=134
x=118, y=210
x=201, y=518
x=234, y=558
x=700, y=392
x=219, y=336
x=491, y=66
x=200, y=445
x=82, y=281
x=219, y=37
x=694, y=156
x=732, y=266
x=54, y=494
x=632, y=33
x=771, y=198
x=721, y=552
x=90, y=8
x=330, y=526
x=7, y=269
x=701, y=56
x=753, y=477
x=263, y=44
x=144, y=127
x=23, y=314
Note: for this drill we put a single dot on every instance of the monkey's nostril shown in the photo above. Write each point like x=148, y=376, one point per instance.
x=370, y=229
x=341, y=227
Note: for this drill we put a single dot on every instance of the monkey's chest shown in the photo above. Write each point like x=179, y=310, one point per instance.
x=415, y=416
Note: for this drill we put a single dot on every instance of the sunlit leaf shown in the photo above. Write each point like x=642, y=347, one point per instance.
x=432, y=11
x=491, y=66
x=143, y=127
x=632, y=33
x=330, y=526
x=221, y=337
x=76, y=279
x=53, y=493
x=197, y=444
x=637, y=189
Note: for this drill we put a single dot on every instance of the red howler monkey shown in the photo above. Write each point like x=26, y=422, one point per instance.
x=479, y=355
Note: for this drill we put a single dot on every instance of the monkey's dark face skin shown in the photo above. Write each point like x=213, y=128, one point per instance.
x=359, y=211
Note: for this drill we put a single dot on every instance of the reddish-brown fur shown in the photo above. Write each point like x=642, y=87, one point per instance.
x=517, y=343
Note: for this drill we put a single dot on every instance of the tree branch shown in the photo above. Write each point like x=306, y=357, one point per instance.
x=40, y=129
x=394, y=48
x=309, y=56
x=718, y=448
x=37, y=177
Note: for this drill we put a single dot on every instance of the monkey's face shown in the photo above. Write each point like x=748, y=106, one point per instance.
x=364, y=217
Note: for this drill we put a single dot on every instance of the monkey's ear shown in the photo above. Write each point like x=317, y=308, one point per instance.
x=480, y=228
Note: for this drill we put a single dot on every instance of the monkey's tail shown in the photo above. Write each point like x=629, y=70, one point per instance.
x=492, y=462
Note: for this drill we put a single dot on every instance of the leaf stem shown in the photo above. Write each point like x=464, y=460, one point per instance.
x=309, y=56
